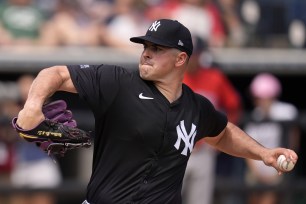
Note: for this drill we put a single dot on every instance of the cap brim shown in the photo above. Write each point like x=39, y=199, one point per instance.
x=142, y=39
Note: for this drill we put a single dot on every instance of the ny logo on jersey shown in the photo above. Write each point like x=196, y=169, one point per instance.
x=188, y=139
x=154, y=26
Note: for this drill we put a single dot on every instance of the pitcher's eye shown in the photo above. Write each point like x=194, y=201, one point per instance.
x=153, y=47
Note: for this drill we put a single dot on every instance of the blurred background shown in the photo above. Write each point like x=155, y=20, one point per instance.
x=257, y=46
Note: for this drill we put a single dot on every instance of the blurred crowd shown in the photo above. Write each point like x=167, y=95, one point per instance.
x=23, y=164
x=110, y=23
x=223, y=23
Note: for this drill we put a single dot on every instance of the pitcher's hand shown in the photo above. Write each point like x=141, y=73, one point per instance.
x=29, y=117
x=270, y=159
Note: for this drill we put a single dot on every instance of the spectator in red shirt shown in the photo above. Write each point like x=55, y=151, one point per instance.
x=202, y=18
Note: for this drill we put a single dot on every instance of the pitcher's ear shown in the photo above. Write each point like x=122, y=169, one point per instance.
x=181, y=58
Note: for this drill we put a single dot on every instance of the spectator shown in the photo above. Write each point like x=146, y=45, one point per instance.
x=33, y=168
x=127, y=20
x=20, y=23
x=206, y=79
x=161, y=9
x=8, y=96
x=208, y=24
x=271, y=123
x=7, y=139
x=268, y=22
x=296, y=19
x=233, y=24
x=71, y=25
x=46, y=6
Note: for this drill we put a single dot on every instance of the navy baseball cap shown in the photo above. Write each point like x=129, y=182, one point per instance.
x=168, y=33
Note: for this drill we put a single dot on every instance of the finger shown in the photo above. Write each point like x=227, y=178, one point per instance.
x=291, y=155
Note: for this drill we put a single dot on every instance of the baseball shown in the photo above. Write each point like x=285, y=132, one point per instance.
x=284, y=164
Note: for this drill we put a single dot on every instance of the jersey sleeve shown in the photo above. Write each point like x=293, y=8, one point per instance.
x=97, y=85
x=213, y=121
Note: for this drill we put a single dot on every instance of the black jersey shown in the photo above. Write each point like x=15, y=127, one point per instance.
x=142, y=142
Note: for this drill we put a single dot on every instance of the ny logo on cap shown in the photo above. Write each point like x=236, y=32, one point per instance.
x=154, y=26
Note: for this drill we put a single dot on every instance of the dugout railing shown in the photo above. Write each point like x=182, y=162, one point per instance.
x=233, y=61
